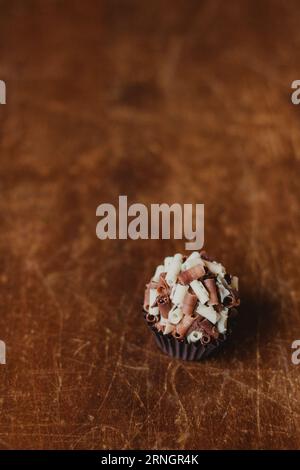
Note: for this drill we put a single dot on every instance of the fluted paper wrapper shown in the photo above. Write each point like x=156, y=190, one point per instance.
x=184, y=350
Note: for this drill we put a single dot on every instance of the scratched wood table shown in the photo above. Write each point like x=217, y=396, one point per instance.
x=186, y=102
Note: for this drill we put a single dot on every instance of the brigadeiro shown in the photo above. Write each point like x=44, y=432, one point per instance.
x=190, y=304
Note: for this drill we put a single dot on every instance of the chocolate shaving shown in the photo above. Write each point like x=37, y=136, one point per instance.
x=164, y=305
x=177, y=335
x=218, y=308
x=236, y=297
x=163, y=287
x=231, y=300
x=204, y=326
x=205, y=339
x=189, y=303
x=185, y=324
x=210, y=285
x=210, y=329
x=185, y=277
x=196, y=325
x=152, y=318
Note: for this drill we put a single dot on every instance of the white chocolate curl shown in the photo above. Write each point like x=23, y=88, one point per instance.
x=178, y=294
x=194, y=262
x=162, y=321
x=160, y=269
x=190, y=260
x=215, y=268
x=200, y=291
x=222, y=323
x=175, y=315
x=167, y=262
x=174, y=269
x=152, y=298
x=223, y=291
x=235, y=283
x=168, y=328
x=208, y=312
x=194, y=336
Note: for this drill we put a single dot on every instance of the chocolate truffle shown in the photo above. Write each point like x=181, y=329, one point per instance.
x=189, y=305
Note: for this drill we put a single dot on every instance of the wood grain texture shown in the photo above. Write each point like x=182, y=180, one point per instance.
x=114, y=97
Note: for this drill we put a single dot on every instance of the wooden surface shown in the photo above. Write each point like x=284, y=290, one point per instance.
x=171, y=101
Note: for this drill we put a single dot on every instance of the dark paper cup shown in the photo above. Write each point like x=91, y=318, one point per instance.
x=188, y=351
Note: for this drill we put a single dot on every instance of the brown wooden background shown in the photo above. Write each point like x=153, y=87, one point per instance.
x=170, y=101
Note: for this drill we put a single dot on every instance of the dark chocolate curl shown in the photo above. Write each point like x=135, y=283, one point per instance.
x=196, y=325
x=205, y=327
x=152, y=318
x=163, y=287
x=185, y=277
x=218, y=308
x=210, y=285
x=189, y=303
x=177, y=335
x=210, y=329
x=205, y=339
x=164, y=305
x=231, y=300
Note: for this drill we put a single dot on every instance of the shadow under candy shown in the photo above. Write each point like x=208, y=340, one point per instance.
x=256, y=324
